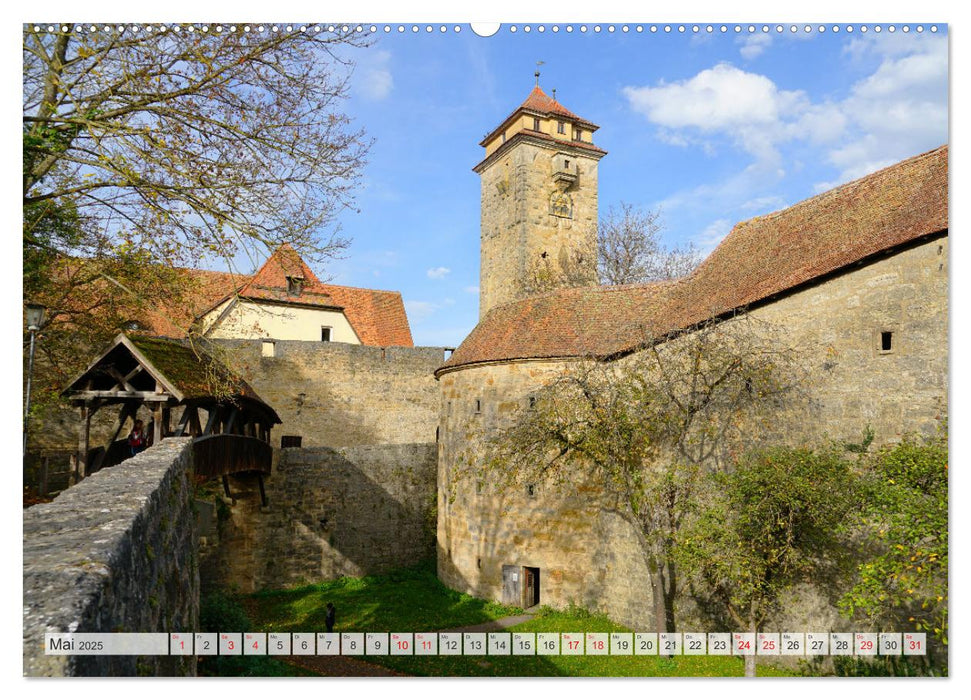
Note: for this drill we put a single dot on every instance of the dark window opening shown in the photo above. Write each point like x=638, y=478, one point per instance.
x=324, y=334
x=532, y=402
x=530, y=490
x=294, y=285
x=566, y=165
x=478, y=563
x=291, y=440
x=478, y=405
x=535, y=124
x=578, y=136
x=886, y=341
x=560, y=128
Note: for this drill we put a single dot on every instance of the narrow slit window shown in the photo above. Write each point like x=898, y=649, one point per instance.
x=530, y=490
x=886, y=341
x=478, y=405
x=535, y=124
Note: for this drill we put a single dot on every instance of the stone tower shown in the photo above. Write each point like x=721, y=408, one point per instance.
x=539, y=202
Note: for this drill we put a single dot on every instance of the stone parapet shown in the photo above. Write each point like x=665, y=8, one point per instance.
x=115, y=553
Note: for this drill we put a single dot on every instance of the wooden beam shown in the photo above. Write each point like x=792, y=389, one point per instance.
x=157, y=418
x=126, y=410
x=84, y=434
x=231, y=421
x=212, y=421
x=89, y=395
x=259, y=478
x=183, y=422
x=195, y=429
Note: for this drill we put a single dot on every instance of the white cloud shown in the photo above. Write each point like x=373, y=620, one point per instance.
x=474, y=289
x=421, y=310
x=713, y=234
x=753, y=45
x=898, y=110
x=374, y=80
x=438, y=273
x=748, y=107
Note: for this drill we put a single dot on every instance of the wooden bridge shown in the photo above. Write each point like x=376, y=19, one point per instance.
x=230, y=423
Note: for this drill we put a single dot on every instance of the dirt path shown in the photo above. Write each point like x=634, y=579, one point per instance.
x=493, y=625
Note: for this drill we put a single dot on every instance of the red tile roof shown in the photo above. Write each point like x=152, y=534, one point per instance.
x=540, y=103
x=760, y=258
x=378, y=317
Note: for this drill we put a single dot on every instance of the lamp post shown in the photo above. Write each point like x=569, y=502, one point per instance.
x=35, y=318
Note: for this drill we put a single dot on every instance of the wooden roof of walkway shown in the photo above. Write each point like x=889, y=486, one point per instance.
x=164, y=374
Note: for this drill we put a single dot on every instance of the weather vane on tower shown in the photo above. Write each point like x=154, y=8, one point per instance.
x=538, y=64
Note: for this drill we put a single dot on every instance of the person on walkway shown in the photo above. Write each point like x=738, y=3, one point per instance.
x=137, y=440
x=330, y=617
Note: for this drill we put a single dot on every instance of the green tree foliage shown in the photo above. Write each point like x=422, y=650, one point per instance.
x=903, y=584
x=644, y=428
x=767, y=525
x=153, y=148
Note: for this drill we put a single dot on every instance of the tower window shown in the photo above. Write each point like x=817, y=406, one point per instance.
x=325, y=334
x=886, y=341
x=566, y=164
x=561, y=127
x=578, y=135
x=535, y=124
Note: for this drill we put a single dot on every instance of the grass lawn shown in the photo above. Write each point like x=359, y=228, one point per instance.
x=414, y=600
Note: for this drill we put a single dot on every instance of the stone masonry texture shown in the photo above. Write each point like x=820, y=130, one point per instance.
x=349, y=512
x=115, y=553
x=586, y=555
x=341, y=395
x=518, y=230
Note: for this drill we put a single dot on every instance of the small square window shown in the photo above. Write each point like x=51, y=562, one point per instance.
x=886, y=341
x=325, y=334
x=560, y=128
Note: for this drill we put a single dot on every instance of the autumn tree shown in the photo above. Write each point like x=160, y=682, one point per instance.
x=771, y=522
x=646, y=427
x=153, y=147
x=630, y=250
x=903, y=582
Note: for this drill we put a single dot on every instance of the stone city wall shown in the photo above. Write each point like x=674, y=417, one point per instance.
x=330, y=513
x=115, y=553
x=341, y=395
x=589, y=557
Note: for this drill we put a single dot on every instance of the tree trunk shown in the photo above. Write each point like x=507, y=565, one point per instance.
x=750, y=658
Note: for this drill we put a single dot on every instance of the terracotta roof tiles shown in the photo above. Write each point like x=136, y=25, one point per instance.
x=760, y=258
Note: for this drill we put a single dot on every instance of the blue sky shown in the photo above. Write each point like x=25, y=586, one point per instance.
x=710, y=128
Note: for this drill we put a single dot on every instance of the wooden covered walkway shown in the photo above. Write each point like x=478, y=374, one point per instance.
x=180, y=384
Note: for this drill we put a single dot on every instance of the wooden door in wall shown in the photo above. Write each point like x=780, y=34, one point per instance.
x=530, y=587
